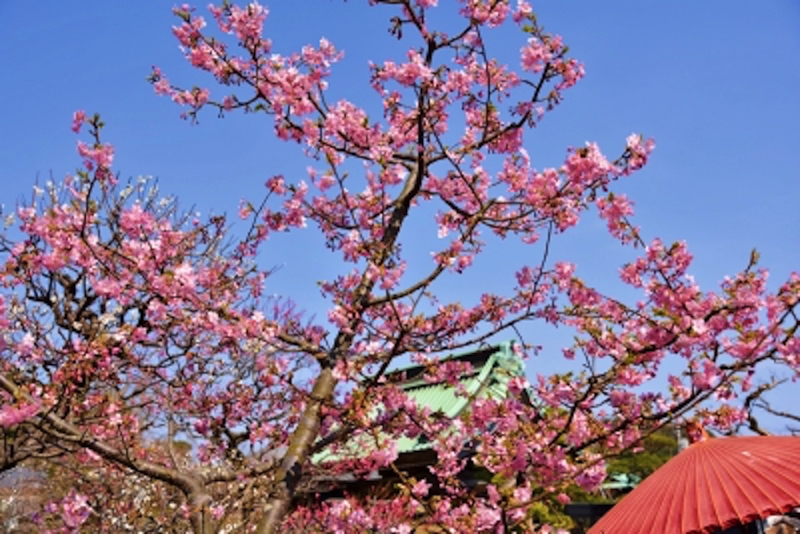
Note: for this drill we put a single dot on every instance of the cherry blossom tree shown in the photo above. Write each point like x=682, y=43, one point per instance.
x=129, y=327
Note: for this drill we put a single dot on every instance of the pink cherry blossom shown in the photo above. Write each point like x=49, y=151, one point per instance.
x=78, y=118
x=157, y=354
x=11, y=415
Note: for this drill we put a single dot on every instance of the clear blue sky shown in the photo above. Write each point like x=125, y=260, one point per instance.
x=715, y=83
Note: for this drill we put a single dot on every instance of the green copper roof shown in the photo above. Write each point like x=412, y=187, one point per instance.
x=621, y=481
x=492, y=368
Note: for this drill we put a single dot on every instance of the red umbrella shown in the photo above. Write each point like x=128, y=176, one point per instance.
x=711, y=485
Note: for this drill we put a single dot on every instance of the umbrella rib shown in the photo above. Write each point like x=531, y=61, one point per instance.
x=711, y=485
x=762, y=464
x=733, y=480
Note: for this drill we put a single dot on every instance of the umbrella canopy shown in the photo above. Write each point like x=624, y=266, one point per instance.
x=711, y=485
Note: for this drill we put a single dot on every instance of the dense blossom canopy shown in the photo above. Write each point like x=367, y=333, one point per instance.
x=129, y=330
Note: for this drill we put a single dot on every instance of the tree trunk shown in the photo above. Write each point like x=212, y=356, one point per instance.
x=300, y=444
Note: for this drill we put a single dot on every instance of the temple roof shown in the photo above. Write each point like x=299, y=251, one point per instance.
x=492, y=368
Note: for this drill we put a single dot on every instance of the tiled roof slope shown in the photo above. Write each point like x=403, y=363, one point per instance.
x=492, y=368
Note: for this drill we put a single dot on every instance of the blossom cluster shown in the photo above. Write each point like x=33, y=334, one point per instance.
x=122, y=319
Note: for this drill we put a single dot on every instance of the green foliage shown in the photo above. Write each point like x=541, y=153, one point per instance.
x=541, y=513
x=658, y=448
